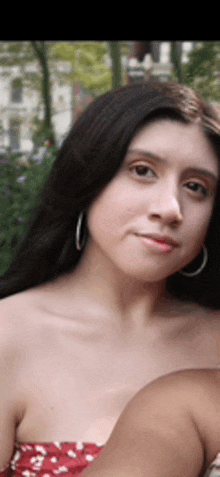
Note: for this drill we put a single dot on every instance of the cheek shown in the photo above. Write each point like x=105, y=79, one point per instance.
x=111, y=215
x=198, y=223
x=113, y=209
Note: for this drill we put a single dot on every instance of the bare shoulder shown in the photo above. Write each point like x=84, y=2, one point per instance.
x=187, y=399
x=30, y=322
x=20, y=319
x=187, y=391
x=10, y=318
x=20, y=337
x=185, y=383
x=14, y=331
x=12, y=359
x=188, y=384
x=13, y=312
x=21, y=306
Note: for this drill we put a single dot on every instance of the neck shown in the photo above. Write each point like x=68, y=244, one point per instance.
x=124, y=298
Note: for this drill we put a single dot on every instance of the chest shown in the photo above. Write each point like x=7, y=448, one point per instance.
x=76, y=389
x=74, y=359
x=70, y=361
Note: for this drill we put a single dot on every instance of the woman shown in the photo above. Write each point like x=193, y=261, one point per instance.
x=116, y=282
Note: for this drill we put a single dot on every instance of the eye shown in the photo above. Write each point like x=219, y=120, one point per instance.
x=143, y=171
x=198, y=188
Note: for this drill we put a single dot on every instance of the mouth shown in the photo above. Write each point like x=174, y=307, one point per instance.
x=163, y=243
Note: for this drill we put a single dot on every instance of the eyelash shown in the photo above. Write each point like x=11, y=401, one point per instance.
x=205, y=191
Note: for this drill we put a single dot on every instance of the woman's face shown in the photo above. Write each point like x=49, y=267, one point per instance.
x=165, y=186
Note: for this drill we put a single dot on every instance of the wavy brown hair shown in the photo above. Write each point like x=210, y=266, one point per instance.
x=88, y=159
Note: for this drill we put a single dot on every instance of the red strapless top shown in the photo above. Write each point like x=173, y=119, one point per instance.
x=50, y=459
x=65, y=459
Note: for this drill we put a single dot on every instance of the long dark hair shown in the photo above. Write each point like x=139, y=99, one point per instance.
x=88, y=159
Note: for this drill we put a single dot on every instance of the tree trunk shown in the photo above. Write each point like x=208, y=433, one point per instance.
x=176, y=53
x=116, y=64
x=40, y=50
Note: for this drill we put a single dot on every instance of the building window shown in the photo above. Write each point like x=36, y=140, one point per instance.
x=16, y=90
x=14, y=133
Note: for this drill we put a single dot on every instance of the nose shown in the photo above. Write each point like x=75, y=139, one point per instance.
x=166, y=207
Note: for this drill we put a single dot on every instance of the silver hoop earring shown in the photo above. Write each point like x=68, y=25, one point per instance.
x=79, y=245
x=204, y=262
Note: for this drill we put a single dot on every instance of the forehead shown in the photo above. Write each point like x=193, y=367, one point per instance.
x=176, y=141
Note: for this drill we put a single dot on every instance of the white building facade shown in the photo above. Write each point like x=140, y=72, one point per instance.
x=19, y=106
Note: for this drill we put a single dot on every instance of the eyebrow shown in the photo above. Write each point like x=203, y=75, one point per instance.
x=160, y=159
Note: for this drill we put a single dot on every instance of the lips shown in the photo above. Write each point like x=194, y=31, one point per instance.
x=161, y=239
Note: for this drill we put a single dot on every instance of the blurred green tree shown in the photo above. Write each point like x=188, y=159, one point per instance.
x=115, y=53
x=202, y=72
x=40, y=49
x=88, y=64
x=176, y=53
x=20, y=187
x=97, y=66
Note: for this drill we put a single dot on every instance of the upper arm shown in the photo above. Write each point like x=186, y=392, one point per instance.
x=154, y=436
x=9, y=407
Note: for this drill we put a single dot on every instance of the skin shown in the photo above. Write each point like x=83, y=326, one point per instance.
x=166, y=430
x=102, y=332
x=155, y=197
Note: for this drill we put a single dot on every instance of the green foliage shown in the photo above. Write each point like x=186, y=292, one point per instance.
x=40, y=133
x=22, y=54
x=89, y=61
x=18, y=200
x=16, y=53
x=116, y=64
x=202, y=72
x=37, y=128
x=88, y=64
